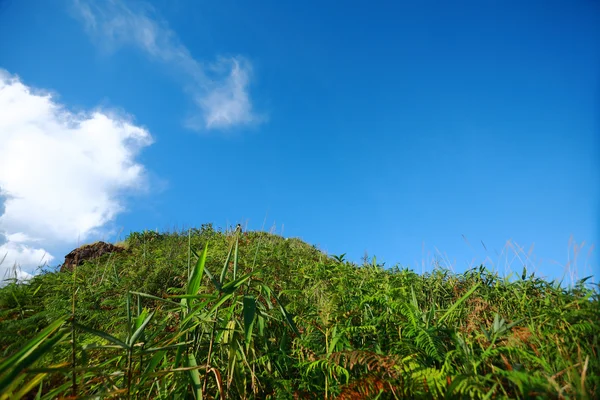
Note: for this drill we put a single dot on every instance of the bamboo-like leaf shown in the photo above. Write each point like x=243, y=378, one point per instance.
x=142, y=314
x=141, y=328
x=8, y=392
x=287, y=316
x=54, y=393
x=149, y=296
x=128, y=305
x=30, y=346
x=106, y=346
x=29, y=386
x=261, y=325
x=249, y=313
x=40, y=286
x=413, y=300
x=219, y=304
x=336, y=336
x=154, y=361
x=228, y=332
x=192, y=296
x=34, y=349
x=194, y=376
x=458, y=303
x=193, y=313
x=38, y=396
x=169, y=347
x=103, y=335
x=230, y=287
x=235, y=256
x=196, y=278
x=178, y=357
x=208, y=273
x=226, y=265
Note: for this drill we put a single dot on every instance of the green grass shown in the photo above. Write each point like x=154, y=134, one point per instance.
x=208, y=314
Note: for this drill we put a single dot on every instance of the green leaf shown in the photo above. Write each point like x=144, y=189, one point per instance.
x=210, y=276
x=192, y=296
x=335, y=338
x=194, y=312
x=128, y=305
x=196, y=278
x=249, y=313
x=29, y=386
x=29, y=354
x=149, y=296
x=178, y=356
x=458, y=303
x=287, y=316
x=103, y=335
x=168, y=347
x=139, y=319
x=194, y=376
x=233, y=285
x=220, y=303
x=154, y=361
x=30, y=346
x=235, y=257
x=224, y=270
x=140, y=328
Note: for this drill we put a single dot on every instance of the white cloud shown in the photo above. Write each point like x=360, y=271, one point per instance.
x=61, y=174
x=219, y=90
x=14, y=254
x=229, y=104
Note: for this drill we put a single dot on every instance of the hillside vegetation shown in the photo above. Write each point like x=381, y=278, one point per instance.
x=249, y=315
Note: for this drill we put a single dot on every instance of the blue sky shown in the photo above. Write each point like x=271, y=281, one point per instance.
x=406, y=130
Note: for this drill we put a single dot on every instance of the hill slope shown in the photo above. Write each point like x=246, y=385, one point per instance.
x=254, y=315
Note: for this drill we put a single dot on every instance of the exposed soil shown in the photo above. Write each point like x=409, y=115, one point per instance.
x=88, y=252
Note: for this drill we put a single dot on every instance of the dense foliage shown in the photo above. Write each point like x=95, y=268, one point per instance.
x=208, y=314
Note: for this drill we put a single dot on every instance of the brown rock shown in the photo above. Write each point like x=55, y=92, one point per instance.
x=88, y=252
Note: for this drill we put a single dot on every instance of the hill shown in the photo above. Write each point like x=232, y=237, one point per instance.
x=210, y=314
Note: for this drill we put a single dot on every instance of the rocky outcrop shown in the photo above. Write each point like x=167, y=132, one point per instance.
x=88, y=252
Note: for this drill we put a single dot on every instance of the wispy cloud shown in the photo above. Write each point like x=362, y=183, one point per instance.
x=219, y=89
x=62, y=175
